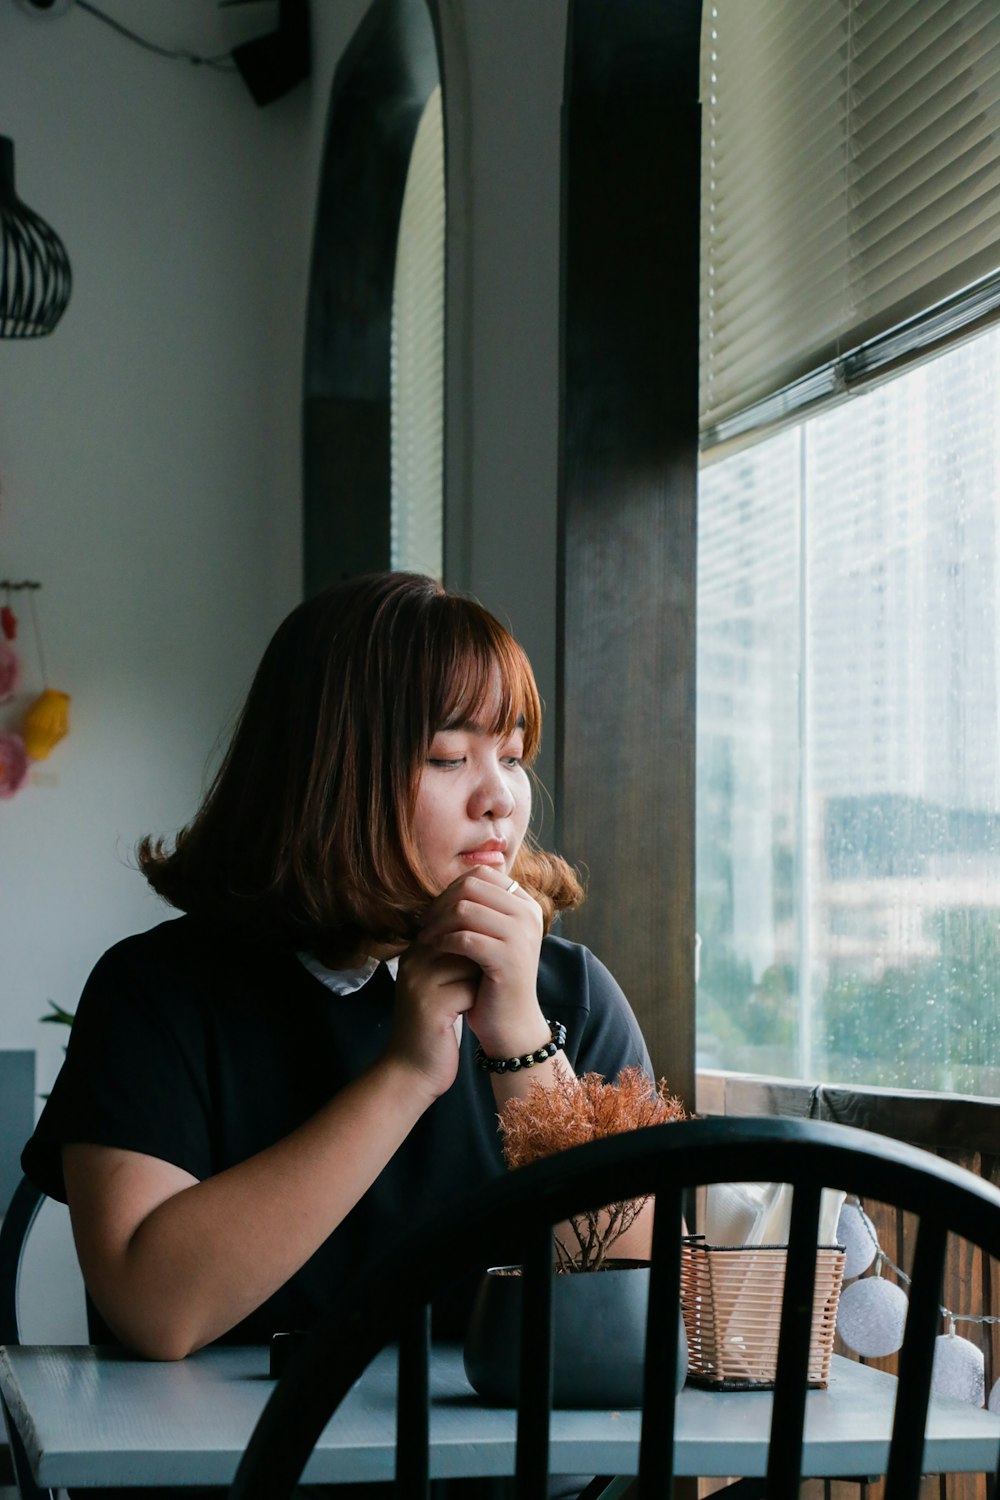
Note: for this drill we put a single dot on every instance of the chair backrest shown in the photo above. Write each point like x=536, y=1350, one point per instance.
x=18, y=1097
x=42, y=1297
x=511, y=1222
x=22, y=1210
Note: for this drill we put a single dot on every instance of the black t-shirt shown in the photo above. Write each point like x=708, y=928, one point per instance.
x=198, y=1052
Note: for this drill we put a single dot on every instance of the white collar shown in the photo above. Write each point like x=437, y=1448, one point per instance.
x=344, y=981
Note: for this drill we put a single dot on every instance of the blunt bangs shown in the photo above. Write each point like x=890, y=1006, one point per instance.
x=484, y=678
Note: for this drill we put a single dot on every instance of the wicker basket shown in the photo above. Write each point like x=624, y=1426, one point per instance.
x=731, y=1301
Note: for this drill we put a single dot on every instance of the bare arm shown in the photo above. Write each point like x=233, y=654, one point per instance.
x=173, y=1263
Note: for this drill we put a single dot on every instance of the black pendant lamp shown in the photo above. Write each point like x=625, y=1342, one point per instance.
x=35, y=278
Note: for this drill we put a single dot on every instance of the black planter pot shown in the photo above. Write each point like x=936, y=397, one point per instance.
x=599, y=1332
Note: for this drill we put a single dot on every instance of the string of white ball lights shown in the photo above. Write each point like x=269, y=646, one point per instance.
x=872, y=1315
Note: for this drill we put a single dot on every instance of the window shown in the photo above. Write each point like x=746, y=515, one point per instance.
x=848, y=803
x=378, y=103
x=417, y=377
x=849, y=739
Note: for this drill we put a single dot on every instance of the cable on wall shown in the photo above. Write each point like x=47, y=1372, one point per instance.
x=222, y=61
x=270, y=65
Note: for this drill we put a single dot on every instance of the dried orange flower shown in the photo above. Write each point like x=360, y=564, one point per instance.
x=571, y=1111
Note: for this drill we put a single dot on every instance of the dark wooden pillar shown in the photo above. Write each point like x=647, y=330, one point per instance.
x=626, y=751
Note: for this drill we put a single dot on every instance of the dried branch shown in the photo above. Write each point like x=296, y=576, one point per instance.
x=570, y=1112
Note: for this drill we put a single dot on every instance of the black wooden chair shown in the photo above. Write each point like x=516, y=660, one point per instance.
x=22, y=1211
x=510, y=1223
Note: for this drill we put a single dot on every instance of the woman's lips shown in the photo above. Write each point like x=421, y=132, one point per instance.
x=492, y=854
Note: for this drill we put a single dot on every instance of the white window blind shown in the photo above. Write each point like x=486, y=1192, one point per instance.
x=851, y=182
x=417, y=375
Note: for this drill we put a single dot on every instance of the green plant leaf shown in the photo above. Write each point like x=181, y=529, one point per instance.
x=59, y=1017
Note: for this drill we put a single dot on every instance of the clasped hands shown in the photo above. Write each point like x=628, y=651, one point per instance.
x=477, y=957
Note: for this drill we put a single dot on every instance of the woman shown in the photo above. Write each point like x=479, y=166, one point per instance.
x=259, y=1093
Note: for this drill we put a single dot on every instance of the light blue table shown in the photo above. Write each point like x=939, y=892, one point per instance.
x=90, y=1417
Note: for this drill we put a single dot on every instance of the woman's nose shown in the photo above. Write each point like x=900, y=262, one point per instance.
x=492, y=797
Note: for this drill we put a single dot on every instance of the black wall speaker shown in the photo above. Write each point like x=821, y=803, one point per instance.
x=272, y=64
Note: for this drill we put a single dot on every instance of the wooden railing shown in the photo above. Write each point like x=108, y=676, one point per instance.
x=963, y=1130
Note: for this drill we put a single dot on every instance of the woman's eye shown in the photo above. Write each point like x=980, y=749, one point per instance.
x=436, y=760
x=511, y=760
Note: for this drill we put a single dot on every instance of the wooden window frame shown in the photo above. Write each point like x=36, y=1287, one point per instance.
x=627, y=503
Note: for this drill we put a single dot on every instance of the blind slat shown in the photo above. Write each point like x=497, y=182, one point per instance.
x=851, y=158
x=891, y=28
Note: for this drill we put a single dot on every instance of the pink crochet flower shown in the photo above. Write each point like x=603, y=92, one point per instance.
x=13, y=763
x=10, y=671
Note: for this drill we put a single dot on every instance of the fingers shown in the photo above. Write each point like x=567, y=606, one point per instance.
x=447, y=979
x=465, y=916
x=481, y=902
x=492, y=938
x=479, y=918
x=433, y=992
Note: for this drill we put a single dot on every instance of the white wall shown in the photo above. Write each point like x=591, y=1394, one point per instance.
x=149, y=453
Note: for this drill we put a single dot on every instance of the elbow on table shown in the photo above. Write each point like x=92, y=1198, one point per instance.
x=154, y=1317
x=165, y=1348
x=154, y=1338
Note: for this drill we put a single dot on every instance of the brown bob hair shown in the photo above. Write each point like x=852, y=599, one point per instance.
x=304, y=838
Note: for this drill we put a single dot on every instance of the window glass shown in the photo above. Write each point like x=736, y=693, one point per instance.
x=417, y=372
x=848, y=747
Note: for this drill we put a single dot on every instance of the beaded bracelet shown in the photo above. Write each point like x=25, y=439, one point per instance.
x=557, y=1037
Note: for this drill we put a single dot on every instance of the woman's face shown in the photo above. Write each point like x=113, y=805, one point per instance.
x=473, y=801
